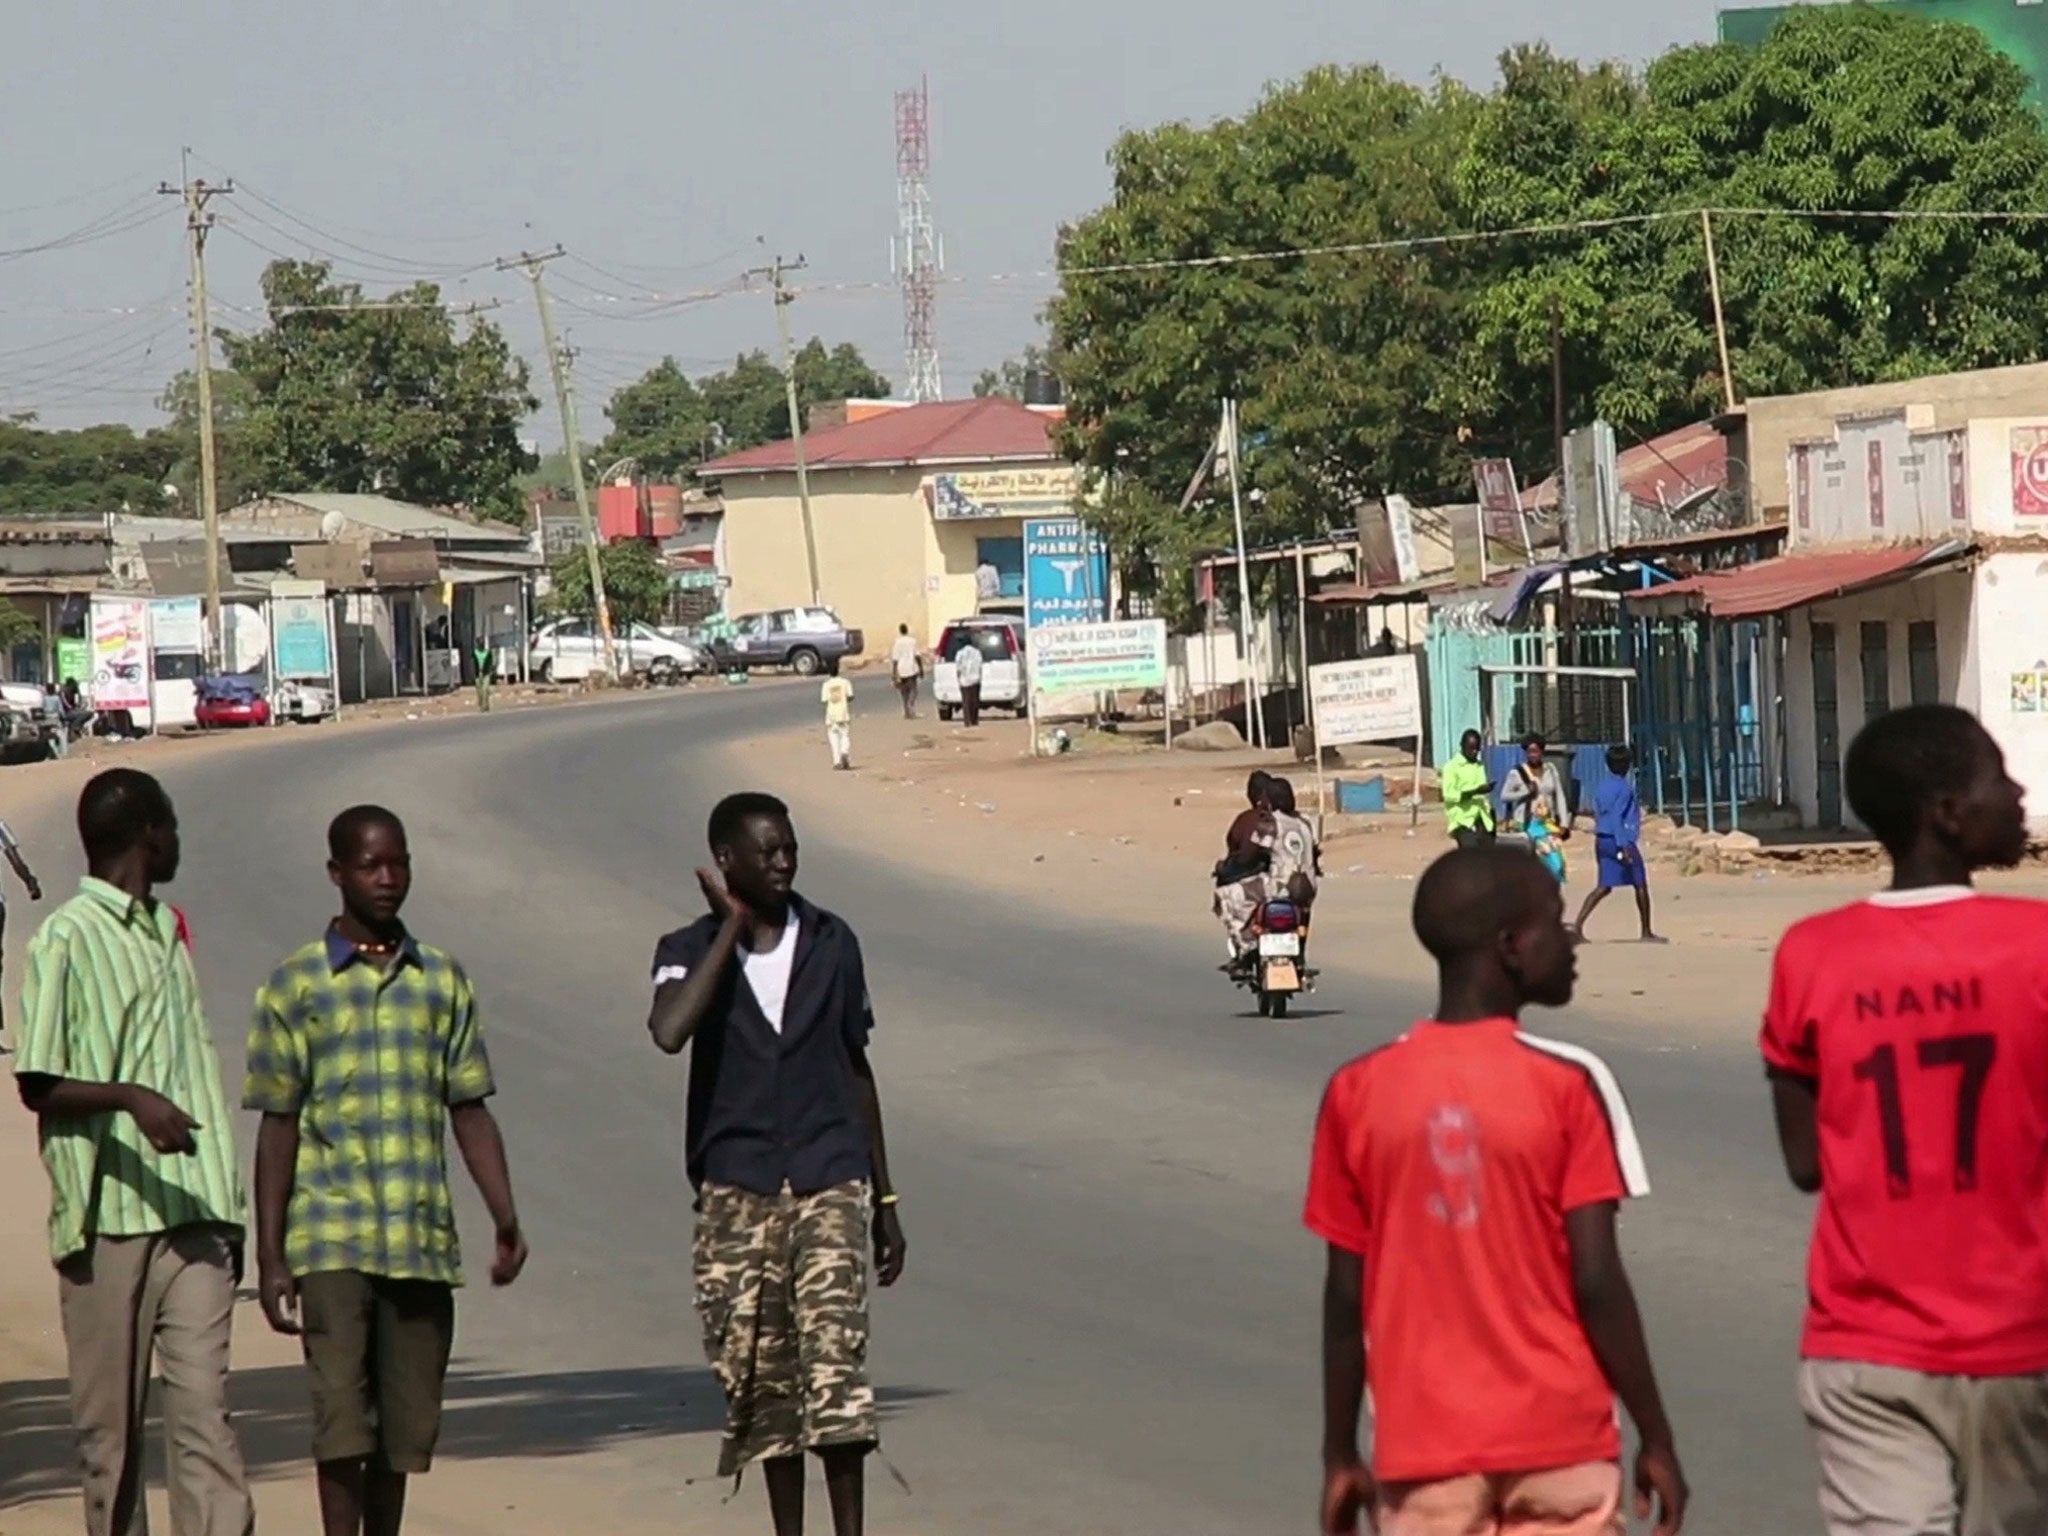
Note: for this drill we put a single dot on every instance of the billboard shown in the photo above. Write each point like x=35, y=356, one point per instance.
x=1374, y=700
x=1386, y=544
x=301, y=641
x=177, y=625
x=1098, y=658
x=1066, y=572
x=1002, y=492
x=120, y=653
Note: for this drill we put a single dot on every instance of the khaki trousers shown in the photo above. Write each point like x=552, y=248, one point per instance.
x=169, y=1296
x=1907, y=1454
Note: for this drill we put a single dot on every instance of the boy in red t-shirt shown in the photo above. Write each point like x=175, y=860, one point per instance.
x=1907, y=1045
x=1465, y=1178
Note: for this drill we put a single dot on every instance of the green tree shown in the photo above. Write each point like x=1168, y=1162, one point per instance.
x=1337, y=359
x=1856, y=109
x=636, y=584
x=350, y=394
x=671, y=424
x=1379, y=369
x=235, y=477
x=90, y=470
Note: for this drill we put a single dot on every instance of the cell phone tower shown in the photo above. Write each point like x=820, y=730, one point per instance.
x=920, y=257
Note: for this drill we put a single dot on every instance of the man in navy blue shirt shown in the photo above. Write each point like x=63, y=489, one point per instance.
x=1617, y=832
x=786, y=1153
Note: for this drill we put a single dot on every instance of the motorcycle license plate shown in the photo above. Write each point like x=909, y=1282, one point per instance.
x=1285, y=944
x=1281, y=976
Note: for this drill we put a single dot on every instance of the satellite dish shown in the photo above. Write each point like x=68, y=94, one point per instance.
x=332, y=526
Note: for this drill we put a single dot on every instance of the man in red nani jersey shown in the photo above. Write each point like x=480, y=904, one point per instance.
x=1907, y=1046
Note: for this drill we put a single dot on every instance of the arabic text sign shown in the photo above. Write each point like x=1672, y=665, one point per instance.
x=1002, y=492
x=120, y=653
x=1066, y=572
x=1098, y=658
x=1374, y=700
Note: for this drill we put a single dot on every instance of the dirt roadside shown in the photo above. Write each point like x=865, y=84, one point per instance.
x=1133, y=830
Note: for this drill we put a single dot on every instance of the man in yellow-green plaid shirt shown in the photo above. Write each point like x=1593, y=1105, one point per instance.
x=118, y=1066
x=365, y=1049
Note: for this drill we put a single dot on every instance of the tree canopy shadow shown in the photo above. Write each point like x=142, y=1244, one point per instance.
x=487, y=1414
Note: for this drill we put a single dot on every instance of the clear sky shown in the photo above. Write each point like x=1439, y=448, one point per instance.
x=659, y=143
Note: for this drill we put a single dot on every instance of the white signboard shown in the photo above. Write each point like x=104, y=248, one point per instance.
x=1375, y=700
x=1401, y=524
x=1098, y=658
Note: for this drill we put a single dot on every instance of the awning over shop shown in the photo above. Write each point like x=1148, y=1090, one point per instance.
x=1793, y=581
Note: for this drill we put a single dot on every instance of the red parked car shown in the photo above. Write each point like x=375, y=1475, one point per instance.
x=225, y=702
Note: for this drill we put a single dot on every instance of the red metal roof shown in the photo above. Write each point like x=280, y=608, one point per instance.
x=1661, y=472
x=1792, y=581
x=942, y=432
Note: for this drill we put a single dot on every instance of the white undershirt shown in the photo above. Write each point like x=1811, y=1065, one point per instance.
x=768, y=971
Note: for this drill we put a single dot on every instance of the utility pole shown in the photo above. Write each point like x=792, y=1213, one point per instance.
x=572, y=438
x=1720, y=323
x=198, y=221
x=1567, y=613
x=775, y=271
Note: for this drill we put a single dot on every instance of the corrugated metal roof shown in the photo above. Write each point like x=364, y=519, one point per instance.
x=399, y=518
x=1793, y=581
x=1663, y=471
x=992, y=430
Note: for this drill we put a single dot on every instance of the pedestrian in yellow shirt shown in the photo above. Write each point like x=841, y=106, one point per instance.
x=838, y=697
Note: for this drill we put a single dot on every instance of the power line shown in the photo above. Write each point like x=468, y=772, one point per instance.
x=118, y=221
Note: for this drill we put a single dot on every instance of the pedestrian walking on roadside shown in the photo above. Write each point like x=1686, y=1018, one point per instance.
x=365, y=1050
x=967, y=667
x=1465, y=1178
x=146, y=1213
x=1907, y=1043
x=1617, y=842
x=906, y=665
x=1468, y=796
x=1534, y=784
x=837, y=695
x=786, y=1152
x=486, y=668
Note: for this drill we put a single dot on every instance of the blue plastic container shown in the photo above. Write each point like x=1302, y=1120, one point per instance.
x=1361, y=799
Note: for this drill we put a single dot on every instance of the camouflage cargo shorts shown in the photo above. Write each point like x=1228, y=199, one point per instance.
x=782, y=1290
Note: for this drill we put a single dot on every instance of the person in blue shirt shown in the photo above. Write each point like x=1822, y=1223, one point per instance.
x=1617, y=832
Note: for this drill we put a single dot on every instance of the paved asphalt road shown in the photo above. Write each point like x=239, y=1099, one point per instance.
x=1109, y=1321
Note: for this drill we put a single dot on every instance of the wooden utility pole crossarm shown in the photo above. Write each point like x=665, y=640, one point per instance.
x=198, y=221
x=572, y=439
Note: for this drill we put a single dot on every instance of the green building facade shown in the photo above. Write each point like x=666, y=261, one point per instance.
x=2017, y=28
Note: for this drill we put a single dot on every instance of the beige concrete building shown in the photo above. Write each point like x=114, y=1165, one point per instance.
x=918, y=514
x=1941, y=402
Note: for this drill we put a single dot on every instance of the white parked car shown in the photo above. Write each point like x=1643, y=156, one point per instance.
x=1001, y=643
x=568, y=651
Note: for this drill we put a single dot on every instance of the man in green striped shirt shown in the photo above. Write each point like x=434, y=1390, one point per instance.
x=146, y=1210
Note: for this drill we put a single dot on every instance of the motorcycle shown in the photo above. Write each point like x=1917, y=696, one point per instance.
x=1276, y=969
